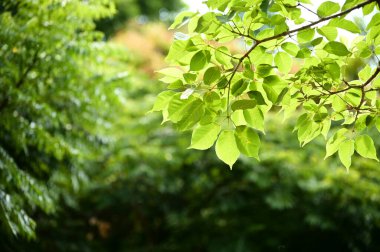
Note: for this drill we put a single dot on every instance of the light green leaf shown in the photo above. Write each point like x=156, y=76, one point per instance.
x=346, y=150
x=162, y=101
x=204, y=136
x=327, y=8
x=180, y=19
x=365, y=147
x=222, y=56
x=290, y=48
x=211, y=75
x=283, y=61
x=336, y=48
x=192, y=115
x=334, y=142
x=255, y=118
x=248, y=141
x=345, y=24
x=226, y=148
x=365, y=73
x=329, y=32
x=375, y=20
x=305, y=36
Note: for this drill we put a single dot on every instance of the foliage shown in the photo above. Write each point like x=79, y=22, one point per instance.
x=226, y=96
x=58, y=84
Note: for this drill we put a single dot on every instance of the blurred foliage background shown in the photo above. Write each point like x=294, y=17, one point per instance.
x=84, y=168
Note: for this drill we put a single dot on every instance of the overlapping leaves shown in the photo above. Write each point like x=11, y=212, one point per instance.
x=300, y=71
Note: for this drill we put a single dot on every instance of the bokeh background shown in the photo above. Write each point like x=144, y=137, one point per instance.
x=85, y=166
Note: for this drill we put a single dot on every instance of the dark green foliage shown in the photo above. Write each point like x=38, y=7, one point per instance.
x=53, y=104
x=170, y=199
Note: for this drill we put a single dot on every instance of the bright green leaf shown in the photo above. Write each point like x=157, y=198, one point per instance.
x=248, y=141
x=226, y=148
x=365, y=147
x=204, y=136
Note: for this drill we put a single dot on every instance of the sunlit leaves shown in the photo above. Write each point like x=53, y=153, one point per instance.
x=283, y=62
x=346, y=150
x=248, y=141
x=328, y=8
x=211, y=75
x=290, y=48
x=204, y=136
x=336, y=48
x=301, y=71
x=365, y=147
x=226, y=148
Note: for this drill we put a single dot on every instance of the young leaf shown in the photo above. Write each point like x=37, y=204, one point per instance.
x=290, y=48
x=327, y=8
x=162, y=100
x=211, y=75
x=346, y=150
x=329, y=32
x=226, y=148
x=283, y=62
x=305, y=36
x=334, y=142
x=248, y=141
x=365, y=147
x=204, y=136
x=336, y=48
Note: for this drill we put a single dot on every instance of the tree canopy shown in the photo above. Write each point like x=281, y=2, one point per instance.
x=295, y=63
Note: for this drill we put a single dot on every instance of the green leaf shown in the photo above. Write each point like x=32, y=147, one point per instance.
x=327, y=8
x=199, y=60
x=226, y=148
x=239, y=87
x=345, y=24
x=243, y=104
x=305, y=36
x=180, y=19
x=336, y=48
x=264, y=70
x=193, y=114
x=334, y=142
x=345, y=152
x=283, y=61
x=211, y=75
x=290, y=48
x=248, y=141
x=162, y=100
x=255, y=118
x=258, y=97
x=204, y=136
x=222, y=56
x=375, y=20
x=328, y=32
x=178, y=108
x=365, y=147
